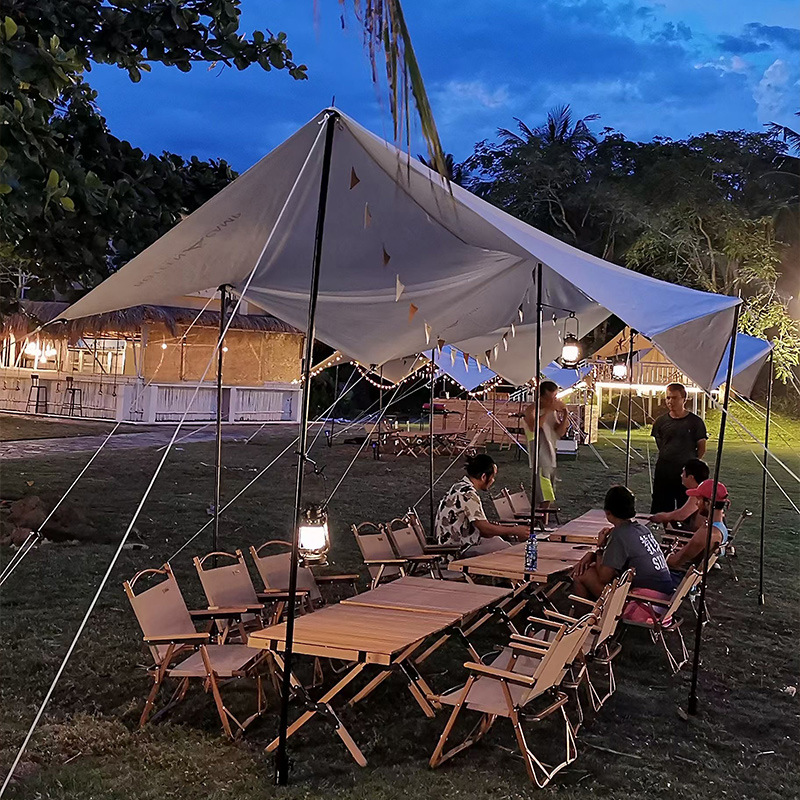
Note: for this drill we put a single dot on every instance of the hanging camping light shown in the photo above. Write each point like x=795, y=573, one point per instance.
x=571, y=349
x=619, y=370
x=313, y=537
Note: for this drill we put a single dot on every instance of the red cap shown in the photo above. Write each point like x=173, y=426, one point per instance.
x=706, y=488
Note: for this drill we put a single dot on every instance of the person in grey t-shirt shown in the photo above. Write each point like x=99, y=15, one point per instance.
x=627, y=544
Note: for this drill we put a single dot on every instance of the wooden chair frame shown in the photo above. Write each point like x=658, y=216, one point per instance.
x=170, y=634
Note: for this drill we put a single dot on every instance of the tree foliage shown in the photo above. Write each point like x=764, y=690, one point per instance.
x=75, y=201
x=715, y=212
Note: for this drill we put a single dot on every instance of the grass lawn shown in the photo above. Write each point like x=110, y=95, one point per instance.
x=744, y=743
x=14, y=427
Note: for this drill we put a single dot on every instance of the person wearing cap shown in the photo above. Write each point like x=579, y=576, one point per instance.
x=680, y=435
x=692, y=552
x=688, y=516
x=627, y=544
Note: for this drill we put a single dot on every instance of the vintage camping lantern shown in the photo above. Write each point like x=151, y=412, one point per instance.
x=314, y=539
x=571, y=350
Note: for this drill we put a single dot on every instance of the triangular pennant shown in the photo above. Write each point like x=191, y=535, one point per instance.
x=513, y=331
x=519, y=312
x=427, y=333
x=466, y=360
x=354, y=179
x=488, y=356
x=440, y=343
x=386, y=257
x=478, y=363
x=412, y=309
x=367, y=216
x=496, y=350
x=505, y=341
x=452, y=357
x=398, y=289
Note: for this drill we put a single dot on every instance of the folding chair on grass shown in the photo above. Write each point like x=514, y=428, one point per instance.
x=729, y=550
x=521, y=504
x=504, y=508
x=522, y=684
x=170, y=634
x=273, y=560
x=406, y=543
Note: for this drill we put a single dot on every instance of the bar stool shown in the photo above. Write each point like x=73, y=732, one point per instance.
x=37, y=397
x=73, y=399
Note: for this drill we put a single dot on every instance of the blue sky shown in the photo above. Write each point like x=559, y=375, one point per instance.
x=669, y=68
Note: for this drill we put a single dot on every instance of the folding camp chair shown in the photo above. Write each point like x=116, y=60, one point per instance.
x=729, y=550
x=526, y=674
x=169, y=632
x=503, y=507
x=406, y=544
x=273, y=567
x=662, y=615
x=521, y=504
x=380, y=557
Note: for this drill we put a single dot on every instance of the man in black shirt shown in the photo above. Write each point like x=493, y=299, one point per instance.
x=680, y=435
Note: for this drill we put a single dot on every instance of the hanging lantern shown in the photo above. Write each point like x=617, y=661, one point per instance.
x=619, y=370
x=571, y=350
x=313, y=537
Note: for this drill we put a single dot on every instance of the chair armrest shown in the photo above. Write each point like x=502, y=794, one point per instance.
x=375, y=562
x=500, y=674
x=585, y=601
x=528, y=649
x=443, y=548
x=563, y=617
x=279, y=594
x=228, y=612
x=422, y=559
x=548, y=622
x=179, y=638
x=651, y=600
x=529, y=641
x=336, y=578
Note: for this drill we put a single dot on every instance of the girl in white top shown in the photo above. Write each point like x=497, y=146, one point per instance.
x=553, y=424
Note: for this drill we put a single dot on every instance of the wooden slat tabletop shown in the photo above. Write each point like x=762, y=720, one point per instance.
x=430, y=596
x=354, y=632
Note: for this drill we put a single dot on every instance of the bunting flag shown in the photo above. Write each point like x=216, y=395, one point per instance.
x=505, y=342
x=386, y=257
x=412, y=309
x=354, y=179
x=466, y=360
x=398, y=289
x=427, y=333
x=440, y=343
x=488, y=357
x=478, y=364
x=452, y=356
x=513, y=331
x=367, y=216
x=496, y=350
x=519, y=312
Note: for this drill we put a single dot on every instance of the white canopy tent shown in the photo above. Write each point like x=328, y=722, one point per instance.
x=408, y=260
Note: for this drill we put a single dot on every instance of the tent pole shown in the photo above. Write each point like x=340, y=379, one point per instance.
x=698, y=632
x=430, y=455
x=223, y=313
x=537, y=401
x=630, y=407
x=281, y=757
x=771, y=375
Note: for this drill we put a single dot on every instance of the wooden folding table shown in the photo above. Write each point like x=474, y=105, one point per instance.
x=385, y=637
x=584, y=529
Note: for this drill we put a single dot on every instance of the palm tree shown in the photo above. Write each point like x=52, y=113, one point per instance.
x=557, y=132
x=791, y=137
x=455, y=172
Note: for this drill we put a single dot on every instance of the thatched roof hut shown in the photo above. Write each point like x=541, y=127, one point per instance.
x=126, y=322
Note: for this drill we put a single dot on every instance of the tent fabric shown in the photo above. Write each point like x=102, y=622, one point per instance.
x=468, y=376
x=748, y=359
x=407, y=260
x=565, y=378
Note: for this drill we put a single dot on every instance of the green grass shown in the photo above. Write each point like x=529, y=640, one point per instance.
x=743, y=744
x=17, y=427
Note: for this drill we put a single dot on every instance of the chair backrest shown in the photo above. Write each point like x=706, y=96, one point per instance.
x=374, y=544
x=415, y=522
x=503, y=506
x=273, y=561
x=566, y=645
x=520, y=501
x=613, y=605
x=738, y=524
x=161, y=609
x=404, y=539
x=226, y=585
x=691, y=579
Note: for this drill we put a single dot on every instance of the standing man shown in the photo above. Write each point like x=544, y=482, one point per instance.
x=553, y=424
x=680, y=436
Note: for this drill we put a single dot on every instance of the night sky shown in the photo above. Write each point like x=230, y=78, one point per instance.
x=673, y=68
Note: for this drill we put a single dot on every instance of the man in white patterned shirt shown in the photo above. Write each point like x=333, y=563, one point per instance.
x=460, y=519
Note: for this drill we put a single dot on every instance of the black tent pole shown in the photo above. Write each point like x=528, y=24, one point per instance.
x=281, y=757
x=223, y=308
x=630, y=407
x=430, y=447
x=698, y=632
x=537, y=401
x=770, y=378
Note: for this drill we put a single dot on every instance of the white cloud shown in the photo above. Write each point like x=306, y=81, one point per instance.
x=474, y=93
x=723, y=64
x=776, y=92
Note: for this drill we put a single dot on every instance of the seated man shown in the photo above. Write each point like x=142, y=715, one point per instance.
x=460, y=519
x=692, y=552
x=626, y=544
x=695, y=471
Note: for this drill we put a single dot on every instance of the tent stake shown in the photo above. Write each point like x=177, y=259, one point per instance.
x=770, y=378
x=698, y=632
x=630, y=407
x=281, y=757
x=537, y=401
x=223, y=308
x=430, y=447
